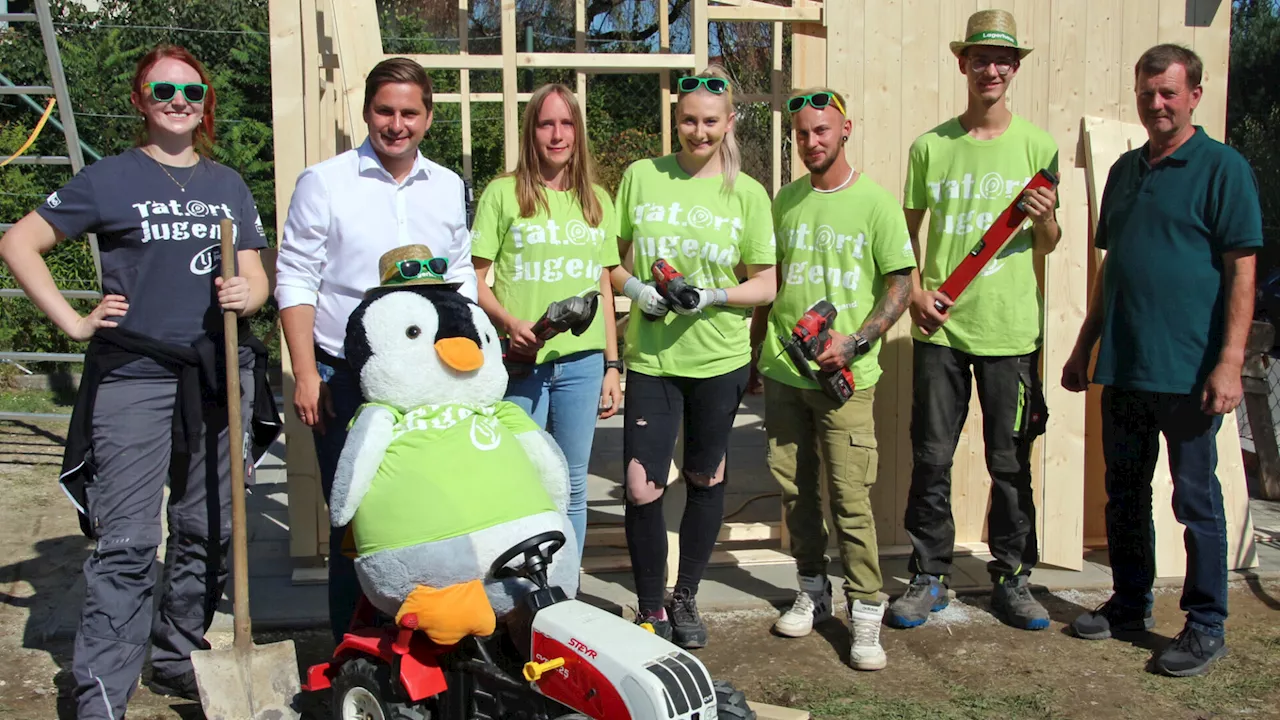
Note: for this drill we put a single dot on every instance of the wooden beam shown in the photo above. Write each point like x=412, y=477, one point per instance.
x=775, y=88
x=476, y=97
x=458, y=62
x=623, y=62
x=580, y=46
x=764, y=12
x=312, y=86
x=664, y=78
x=510, y=105
x=698, y=28
x=464, y=90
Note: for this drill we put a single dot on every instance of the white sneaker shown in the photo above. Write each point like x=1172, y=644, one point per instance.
x=865, y=652
x=812, y=605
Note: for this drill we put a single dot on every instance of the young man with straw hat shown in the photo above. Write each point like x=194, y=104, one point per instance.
x=965, y=172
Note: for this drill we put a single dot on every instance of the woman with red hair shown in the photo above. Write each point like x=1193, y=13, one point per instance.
x=148, y=412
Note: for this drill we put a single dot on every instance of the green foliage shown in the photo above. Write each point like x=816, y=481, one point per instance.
x=1253, y=109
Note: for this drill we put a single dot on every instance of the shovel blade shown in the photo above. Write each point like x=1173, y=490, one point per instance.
x=260, y=683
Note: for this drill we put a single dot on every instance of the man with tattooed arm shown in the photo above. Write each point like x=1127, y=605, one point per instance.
x=840, y=238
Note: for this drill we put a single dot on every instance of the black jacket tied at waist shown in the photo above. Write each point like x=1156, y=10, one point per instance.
x=198, y=369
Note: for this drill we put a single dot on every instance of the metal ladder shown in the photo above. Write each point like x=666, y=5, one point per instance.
x=74, y=158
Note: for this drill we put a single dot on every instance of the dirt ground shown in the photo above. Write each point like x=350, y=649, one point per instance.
x=962, y=664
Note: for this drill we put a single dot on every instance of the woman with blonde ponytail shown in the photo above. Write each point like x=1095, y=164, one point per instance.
x=696, y=211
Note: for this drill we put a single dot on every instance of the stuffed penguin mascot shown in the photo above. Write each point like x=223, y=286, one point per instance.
x=439, y=475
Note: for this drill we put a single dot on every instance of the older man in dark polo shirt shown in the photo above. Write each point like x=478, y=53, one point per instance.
x=1180, y=220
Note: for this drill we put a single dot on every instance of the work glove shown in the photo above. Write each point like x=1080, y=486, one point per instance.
x=646, y=297
x=713, y=296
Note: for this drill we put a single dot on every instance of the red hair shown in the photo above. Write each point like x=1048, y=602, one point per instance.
x=203, y=137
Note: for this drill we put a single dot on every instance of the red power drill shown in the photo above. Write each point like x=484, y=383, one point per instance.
x=573, y=313
x=673, y=287
x=809, y=339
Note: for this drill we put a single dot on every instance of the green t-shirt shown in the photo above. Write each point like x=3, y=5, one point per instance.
x=450, y=470
x=703, y=233
x=545, y=258
x=965, y=184
x=835, y=247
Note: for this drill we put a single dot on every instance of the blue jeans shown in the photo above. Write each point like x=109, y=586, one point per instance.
x=563, y=397
x=1132, y=422
x=344, y=585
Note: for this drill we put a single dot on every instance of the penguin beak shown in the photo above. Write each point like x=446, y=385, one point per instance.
x=461, y=354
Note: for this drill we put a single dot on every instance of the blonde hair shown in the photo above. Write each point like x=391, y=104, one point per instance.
x=581, y=169
x=730, y=157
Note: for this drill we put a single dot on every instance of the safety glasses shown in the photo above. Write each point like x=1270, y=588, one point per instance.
x=712, y=84
x=818, y=100
x=413, y=269
x=164, y=91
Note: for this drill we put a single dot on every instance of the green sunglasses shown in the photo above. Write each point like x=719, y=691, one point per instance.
x=818, y=100
x=713, y=84
x=164, y=91
x=413, y=269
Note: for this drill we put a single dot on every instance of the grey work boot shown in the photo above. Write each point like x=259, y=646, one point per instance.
x=924, y=595
x=1111, y=618
x=1012, y=602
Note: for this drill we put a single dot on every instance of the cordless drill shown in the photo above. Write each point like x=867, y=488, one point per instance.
x=810, y=338
x=573, y=313
x=673, y=287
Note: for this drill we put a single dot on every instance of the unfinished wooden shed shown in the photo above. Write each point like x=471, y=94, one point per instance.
x=890, y=59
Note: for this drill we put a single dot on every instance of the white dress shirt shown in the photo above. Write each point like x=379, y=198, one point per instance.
x=345, y=213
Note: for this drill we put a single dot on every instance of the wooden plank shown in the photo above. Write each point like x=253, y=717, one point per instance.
x=1060, y=517
x=580, y=46
x=1140, y=31
x=774, y=712
x=664, y=78
x=464, y=90
x=730, y=532
x=312, y=85
x=763, y=12
x=1172, y=22
x=775, y=114
x=621, y=62
x=1212, y=44
x=457, y=62
x=510, y=107
x=808, y=69
x=701, y=35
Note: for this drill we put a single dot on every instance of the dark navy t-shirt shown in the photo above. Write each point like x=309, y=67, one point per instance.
x=159, y=243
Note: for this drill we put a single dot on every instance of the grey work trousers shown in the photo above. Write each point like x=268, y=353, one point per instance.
x=132, y=452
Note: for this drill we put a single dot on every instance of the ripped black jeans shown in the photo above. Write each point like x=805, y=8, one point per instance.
x=1013, y=415
x=655, y=408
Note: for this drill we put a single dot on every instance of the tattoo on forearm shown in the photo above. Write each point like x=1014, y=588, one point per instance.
x=897, y=293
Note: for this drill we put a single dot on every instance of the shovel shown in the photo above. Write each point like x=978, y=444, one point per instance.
x=247, y=681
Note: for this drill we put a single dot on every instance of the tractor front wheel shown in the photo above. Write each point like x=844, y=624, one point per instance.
x=360, y=693
x=731, y=704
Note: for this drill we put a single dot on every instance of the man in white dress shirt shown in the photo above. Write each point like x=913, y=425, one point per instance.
x=345, y=213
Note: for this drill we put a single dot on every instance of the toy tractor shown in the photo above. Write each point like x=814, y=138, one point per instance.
x=553, y=658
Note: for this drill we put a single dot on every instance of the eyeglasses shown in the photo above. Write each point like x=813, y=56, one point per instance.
x=412, y=269
x=818, y=100
x=713, y=84
x=1003, y=65
x=165, y=91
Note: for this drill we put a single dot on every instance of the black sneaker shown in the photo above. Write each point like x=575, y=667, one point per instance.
x=924, y=595
x=1012, y=602
x=1191, y=653
x=687, y=628
x=1111, y=618
x=182, y=686
x=658, y=622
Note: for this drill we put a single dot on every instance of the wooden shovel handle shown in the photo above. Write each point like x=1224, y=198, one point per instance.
x=235, y=432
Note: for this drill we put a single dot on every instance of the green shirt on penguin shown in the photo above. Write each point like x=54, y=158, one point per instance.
x=834, y=247
x=704, y=233
x=965, y=184
x=449, y=471
x=545, y=258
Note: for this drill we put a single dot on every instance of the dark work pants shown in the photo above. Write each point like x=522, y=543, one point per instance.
x=132, y=454
x=1132, y=422
x=1012, y=415
x=344, y=586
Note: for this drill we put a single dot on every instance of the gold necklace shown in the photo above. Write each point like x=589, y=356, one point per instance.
x=181, y=186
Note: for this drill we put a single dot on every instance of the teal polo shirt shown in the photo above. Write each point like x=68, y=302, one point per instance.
x=1165, y=229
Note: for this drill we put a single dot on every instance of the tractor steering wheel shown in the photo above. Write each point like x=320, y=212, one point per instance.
x=536, y=558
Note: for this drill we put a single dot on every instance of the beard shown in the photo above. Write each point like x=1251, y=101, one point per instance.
x=824, y=165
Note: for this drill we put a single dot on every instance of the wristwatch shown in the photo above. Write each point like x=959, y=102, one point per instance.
x=860, y=344
x=613, y=365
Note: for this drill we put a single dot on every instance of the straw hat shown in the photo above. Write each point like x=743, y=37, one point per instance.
x=996, y=28
x=389, y=275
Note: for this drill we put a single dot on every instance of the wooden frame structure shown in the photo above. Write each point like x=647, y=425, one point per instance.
x=890, y=59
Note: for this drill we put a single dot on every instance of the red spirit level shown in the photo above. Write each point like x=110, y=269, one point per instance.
x=992, y=241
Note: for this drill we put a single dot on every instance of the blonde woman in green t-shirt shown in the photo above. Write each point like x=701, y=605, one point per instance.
x=698, y=212
x=548, y=231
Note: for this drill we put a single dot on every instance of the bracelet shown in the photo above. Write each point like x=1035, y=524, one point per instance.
x=613, y=365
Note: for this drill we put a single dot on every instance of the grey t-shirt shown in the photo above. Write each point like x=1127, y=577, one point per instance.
x=159, y=242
